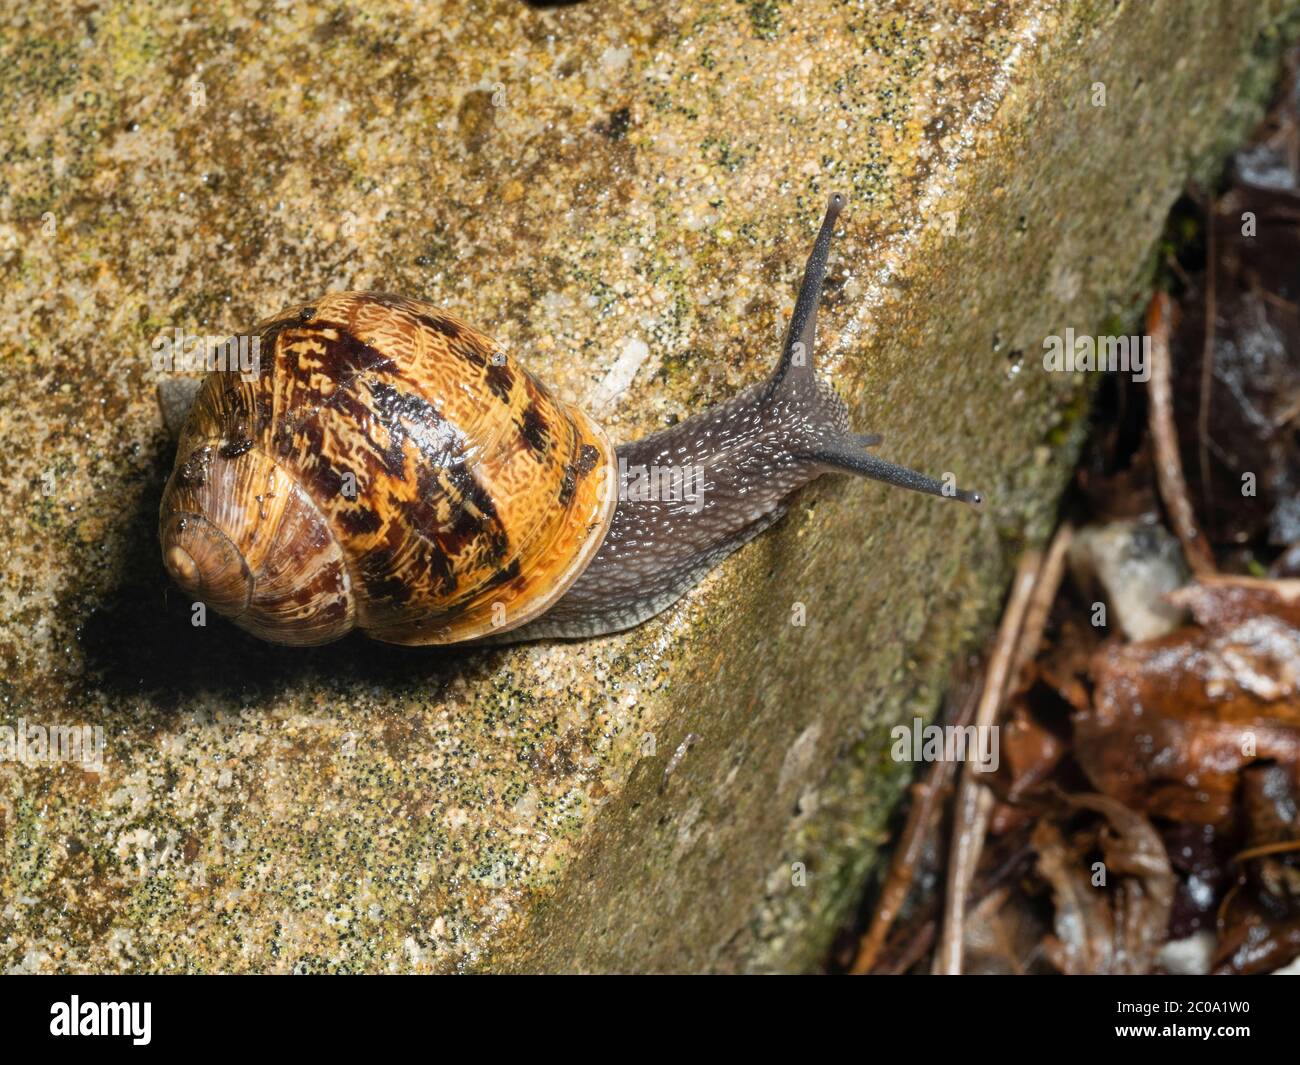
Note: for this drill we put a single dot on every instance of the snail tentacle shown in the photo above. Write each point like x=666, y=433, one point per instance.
x=801, y=336
x=850, y=458
x=754, y=451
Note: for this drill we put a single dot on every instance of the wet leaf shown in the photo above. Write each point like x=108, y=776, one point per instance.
x=1030, y=753
x=1260, y=921
x=1174, y=721
x=1112, y=887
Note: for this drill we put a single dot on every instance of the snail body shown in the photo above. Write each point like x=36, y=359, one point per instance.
x=394, y=470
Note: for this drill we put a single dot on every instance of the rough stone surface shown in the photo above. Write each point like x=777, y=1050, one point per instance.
x=583, y=182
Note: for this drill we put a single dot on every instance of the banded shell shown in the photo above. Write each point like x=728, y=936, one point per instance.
x=388, y=468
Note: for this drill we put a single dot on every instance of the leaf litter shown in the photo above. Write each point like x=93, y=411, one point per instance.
x=1144, y=815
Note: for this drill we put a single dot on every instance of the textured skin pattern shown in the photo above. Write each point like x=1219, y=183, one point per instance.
x=453, y=496
x=746, y=455
x=751, y=451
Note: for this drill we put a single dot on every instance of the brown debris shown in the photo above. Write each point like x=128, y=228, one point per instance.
x=1113, y=890
x=1148, y=785
x=1237, y=378
x=1173, y=721
x=1259, y=921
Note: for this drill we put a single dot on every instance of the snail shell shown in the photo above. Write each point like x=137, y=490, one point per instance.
x=391, y=469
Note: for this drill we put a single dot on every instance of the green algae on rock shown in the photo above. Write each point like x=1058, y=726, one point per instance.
x=573, y=181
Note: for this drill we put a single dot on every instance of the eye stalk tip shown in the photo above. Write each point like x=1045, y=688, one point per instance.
x=974, y=499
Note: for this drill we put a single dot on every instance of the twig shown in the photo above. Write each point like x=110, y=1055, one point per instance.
x=974, y=800
x=1287, y=589
x=1169, y=465
x=1280, y=302
x=928, y=797
x=1040, y=604
x=923, y=930
x=1287, y=846
x=1293, y=140
x=971, y=822
x=1207, y=352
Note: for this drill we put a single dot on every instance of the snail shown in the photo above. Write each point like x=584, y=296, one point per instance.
x=393, y=470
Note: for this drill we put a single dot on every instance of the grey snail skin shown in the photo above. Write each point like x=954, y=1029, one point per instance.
x=484, y=509
x=756, y=450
